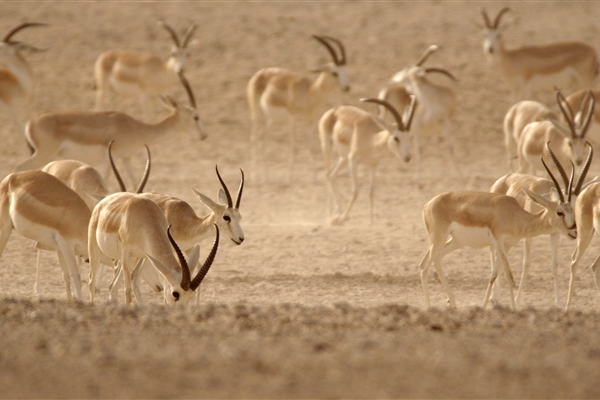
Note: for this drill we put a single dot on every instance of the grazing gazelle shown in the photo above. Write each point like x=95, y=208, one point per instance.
x=568, y=143
x=435, y=103
x=44, y=209
x=274, y=93
x=513, y=184
x=16, y=77
x=130, y=227
x=141, y=75
x=482, y=219
x=547, y=65
x=85, y=135
x=359, y=137
x=517, y=118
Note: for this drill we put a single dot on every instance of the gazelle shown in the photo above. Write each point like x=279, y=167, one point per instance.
x=483, y=219
x=275, y=93
x=576, y=100
x=189, y=230
x=16, y=77
x=547, y=65
x=513, y=184
x=141, y=75
x=568, y=145
x=517, y=118
x=587, y=217
x=436, y=103
x=360, y=137
x=84, y=135
x=127, y=226
x=42, y=208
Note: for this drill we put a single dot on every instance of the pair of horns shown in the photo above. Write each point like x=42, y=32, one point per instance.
x=403, y=124
x=227, y=194
x=326, y=41
x=568, y=182
x=430, y=50
x=486, y=19
x=588, y=104
x=144, y=179
x=187, y=283
x=186, y=36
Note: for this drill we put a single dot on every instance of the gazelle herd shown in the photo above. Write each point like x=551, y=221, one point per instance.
x=59, y=199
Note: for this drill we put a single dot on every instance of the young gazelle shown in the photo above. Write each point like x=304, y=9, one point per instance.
x=16, y=77
x=85, y=135
x=547, y=65
x=130, y=227
x=42, y=208
x=142, y=75
x=360, y=137
x=568, y=143
x=274, y=93
x=483, y=219
x=436, y=103
x=517, y=118
x=513, y=184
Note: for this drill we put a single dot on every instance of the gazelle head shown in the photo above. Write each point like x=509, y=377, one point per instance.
x=182, y=286
x=180, y=49
x=226, y=215
x=190, y=117
x=400, y=138
x=577, y=128
x=337, y=68
x=492, y=31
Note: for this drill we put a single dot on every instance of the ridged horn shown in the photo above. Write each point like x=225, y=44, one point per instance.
x=499, y=16
x=19, y=27
x=559, y=167
x=224, y=186
x=240, y=191
x=207, y=263
x=188, y=35
x=389, y=107
x=114, y=168
x=430, y=50
x=441, y=71
x=144, y=180
x=589, y=102
x=185, y=269
x=171, y=31
x=584, y=171
x=486, y=19
x=325, y=43
x=566, y=110
x=560, y=192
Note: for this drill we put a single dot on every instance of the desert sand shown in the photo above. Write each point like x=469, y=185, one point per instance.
x=302, y=308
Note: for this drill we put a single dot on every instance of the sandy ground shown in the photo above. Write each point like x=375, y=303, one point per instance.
x=301, y=308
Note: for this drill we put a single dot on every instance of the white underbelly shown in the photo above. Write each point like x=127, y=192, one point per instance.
x=40, y=233
x=476, y=237
x=109, y=244
x=93, y=155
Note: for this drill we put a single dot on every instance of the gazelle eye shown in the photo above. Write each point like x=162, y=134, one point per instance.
x=334, y=73
x=227, y=218
x=560, y=214
x=396, y=139
x=176, y=295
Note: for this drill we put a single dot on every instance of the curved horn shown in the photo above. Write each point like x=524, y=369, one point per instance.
x=570, y=188
x=559, y=167
x=171, y=32
x=560, y=192
x=325, y=43
x=114, y=168
x=17, y=28
x=240, y=190
x=185, y=269
x=567, y=112
x=144, y=180
x=584, y=171
x=342, y=60
x=499, y=16
x=188, y=89
x=441, y=71
x=389, y=107
x=410, y=112
x=188, y=35
x=207, y=263
x=430, y=50
x=486, y=19
x=229, y=202
x=589, y=98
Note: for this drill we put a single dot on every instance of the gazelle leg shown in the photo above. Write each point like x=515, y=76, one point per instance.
x=371, y=194
x=135, y=280
x=353, y=192
x=554, y=239
x=526, y=264
x=583, y=241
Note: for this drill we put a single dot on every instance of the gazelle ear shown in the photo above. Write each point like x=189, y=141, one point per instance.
x=537, y=198
x=206, y=200
x=164, y=271
x=222, y=197
x=553, y=195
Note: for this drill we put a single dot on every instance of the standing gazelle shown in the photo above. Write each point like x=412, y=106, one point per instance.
x=276, y=92
x=142, y=75
x=483, y=219
x=128, y=227
x=513, y=184
x=16, y=77
x=85, y=135
x=547, y=65
x=360, y=137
